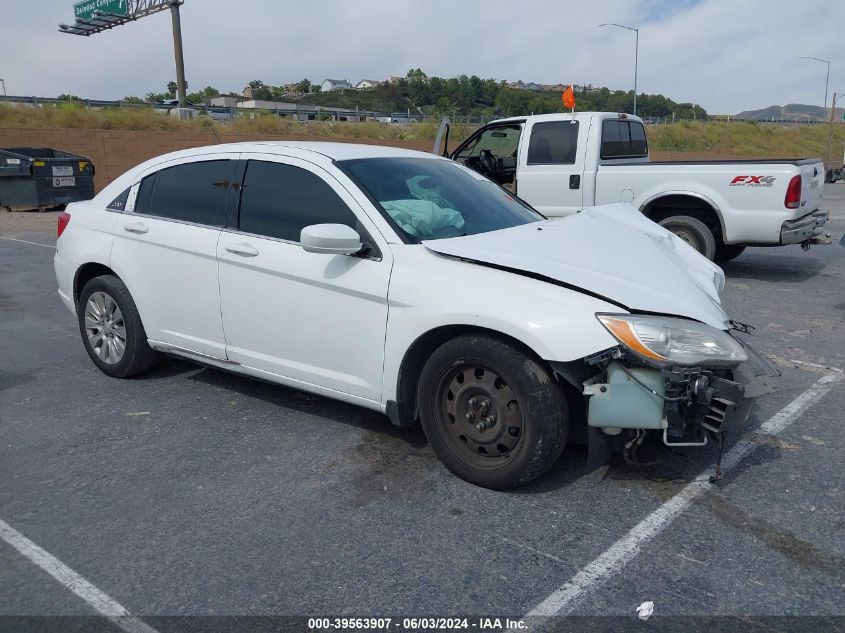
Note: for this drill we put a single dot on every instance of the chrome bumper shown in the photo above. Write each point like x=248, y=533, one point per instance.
x=806, y=229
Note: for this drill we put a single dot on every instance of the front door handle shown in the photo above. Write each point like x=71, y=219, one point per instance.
x=136, y=227
x=244, y=250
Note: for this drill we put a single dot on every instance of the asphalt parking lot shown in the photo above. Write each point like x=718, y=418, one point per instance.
x=189, y=491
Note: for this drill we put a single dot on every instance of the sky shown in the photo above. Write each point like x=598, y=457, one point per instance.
x=726, y=55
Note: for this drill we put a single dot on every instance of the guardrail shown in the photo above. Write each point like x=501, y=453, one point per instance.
x=302, y=112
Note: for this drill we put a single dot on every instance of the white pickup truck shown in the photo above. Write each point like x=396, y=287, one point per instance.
x=562, y=163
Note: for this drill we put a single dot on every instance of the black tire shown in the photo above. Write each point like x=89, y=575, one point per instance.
x=525, y=435
x=137, y=356
x=727, y=252
x=694, y=232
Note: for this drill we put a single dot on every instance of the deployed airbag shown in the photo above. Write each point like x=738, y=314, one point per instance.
x=422, y=218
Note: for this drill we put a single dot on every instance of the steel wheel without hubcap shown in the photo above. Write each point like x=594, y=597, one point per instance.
x=105, y=328
x=481, y=415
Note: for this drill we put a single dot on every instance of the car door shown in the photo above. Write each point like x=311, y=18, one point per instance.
x=551, y=166
x=166, y=251
x=501, y=141
x=313, y=319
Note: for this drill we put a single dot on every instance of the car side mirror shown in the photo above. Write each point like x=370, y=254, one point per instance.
x=330, y=239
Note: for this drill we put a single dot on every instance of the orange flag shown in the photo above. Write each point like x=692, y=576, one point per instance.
x=568, y=98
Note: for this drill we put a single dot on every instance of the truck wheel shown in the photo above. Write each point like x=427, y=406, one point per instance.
x=493, y=415
x=727, y=252
x=111, y=328
x=693, y=232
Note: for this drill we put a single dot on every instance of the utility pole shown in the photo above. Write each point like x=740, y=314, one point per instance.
x=3, y=81
x=830, y=127
x=177, y=49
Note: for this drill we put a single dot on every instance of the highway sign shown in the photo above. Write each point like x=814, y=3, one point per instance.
x=86, y=8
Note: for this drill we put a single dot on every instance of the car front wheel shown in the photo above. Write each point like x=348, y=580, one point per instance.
x=493, y=415
x=111, y=328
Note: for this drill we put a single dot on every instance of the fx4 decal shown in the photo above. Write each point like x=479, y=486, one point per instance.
x=752, y=181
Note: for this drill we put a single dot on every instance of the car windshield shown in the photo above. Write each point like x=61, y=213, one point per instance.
x=431, y=199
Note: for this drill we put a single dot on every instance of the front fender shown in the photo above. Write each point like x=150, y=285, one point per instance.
x=428, y=291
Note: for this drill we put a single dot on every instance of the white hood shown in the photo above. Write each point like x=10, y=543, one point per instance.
x=612, y=251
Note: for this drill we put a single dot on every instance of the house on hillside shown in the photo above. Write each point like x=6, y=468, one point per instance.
x=335, y=84
x=525, y=85
x=366, y=84
x=555, y=87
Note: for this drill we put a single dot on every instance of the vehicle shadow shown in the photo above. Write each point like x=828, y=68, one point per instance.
x=294, y=400
x=765, y=267
x=660, y=470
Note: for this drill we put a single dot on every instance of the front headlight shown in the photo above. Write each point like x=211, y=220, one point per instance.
x=667, y=340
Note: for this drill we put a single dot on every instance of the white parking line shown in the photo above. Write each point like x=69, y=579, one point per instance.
x=12, y=239
x=102, y=603
x=626, y=549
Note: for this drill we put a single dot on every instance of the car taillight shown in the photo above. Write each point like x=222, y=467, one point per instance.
x=61, y=225
x=793, y=193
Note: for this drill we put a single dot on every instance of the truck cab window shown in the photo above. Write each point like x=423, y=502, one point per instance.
x=553, y=143
x=623, y=139
x=492, y=152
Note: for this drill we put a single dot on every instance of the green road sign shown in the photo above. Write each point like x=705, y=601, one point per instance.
x=86, y=8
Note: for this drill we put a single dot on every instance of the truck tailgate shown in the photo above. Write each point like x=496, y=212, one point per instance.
x=812, y=179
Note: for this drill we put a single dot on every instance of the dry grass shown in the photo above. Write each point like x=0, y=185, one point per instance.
x=746, y=139
x=75, y=116
x=702, y=138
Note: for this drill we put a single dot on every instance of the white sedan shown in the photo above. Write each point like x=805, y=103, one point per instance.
x=410, y=285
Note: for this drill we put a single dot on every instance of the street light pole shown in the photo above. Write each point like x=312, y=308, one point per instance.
x=827, y=78
x=3, y=81
x=636, y=55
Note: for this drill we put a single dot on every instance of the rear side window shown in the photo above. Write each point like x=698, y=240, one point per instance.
x=623, y=139
x=553, y=143
x=119, y=203
x=280, y=200
x=192, y=192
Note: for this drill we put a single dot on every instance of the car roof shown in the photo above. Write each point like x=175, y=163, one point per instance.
x=334, y=151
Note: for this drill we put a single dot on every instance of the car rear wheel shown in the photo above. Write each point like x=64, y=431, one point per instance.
x=493, y=415
x=111, y=328
x=694, y=232
x=727, y=252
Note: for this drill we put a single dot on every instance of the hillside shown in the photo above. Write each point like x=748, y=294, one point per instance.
x=457, y=96
x=790, y=112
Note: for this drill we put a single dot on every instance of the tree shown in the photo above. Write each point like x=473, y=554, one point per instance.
x=304, y=86
x=260, y=90
x=172, y=88
x=135, y=100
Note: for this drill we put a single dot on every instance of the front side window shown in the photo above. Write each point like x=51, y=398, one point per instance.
x=501, y=141
x=191, y=192
x=279, y=200
x=429, y=199
x=623, y=139
x=553, y=143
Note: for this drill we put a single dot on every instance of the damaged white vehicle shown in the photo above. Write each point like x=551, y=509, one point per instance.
x=410, y=285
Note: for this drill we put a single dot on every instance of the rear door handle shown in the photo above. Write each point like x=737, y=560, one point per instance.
x=136, y=227
x=244, y=250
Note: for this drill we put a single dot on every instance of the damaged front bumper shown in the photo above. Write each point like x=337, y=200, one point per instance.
x=686, y=405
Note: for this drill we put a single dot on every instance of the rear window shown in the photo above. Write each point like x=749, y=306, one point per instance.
x=623, y=139
x=192, y=192
x=553, y=143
